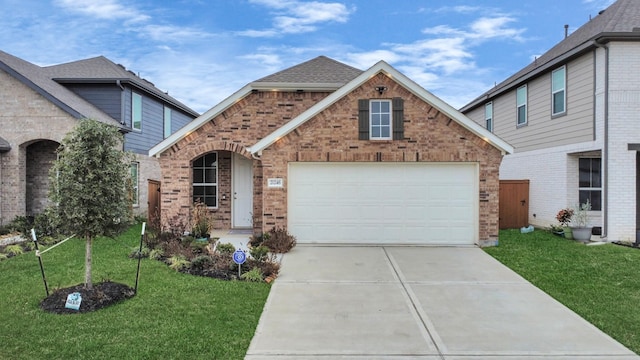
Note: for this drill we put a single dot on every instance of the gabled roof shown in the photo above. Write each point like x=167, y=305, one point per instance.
x=38, y=80
x=102, y=70
x=620, y=21
x=361, y=78
x=382, y=67
x=318, y=74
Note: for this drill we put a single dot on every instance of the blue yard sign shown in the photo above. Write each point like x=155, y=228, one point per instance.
x=239, y=257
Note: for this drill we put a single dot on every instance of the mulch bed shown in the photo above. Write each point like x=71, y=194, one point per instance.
x=102, y=295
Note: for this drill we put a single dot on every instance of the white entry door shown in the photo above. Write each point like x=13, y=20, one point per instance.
x=242, y=188
x=384, y=203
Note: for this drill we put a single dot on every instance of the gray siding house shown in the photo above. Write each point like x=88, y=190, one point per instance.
x=572, y=116
x=40, y=105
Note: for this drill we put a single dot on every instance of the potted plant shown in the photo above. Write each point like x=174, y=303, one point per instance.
x=581, y=231
x=564, y=218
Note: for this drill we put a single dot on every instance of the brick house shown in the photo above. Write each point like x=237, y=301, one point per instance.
x=40, y=105
x=572, y=117
x=337, y=155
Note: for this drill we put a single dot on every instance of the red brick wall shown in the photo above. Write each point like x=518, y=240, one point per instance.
x=332, y=135
x=430, y=136
x=240, y=126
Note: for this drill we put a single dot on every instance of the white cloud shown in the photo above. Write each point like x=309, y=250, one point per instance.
x=103, y=9
x=173, y=33
x=294, y=17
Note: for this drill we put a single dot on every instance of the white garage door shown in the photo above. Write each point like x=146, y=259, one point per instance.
x=383, y=203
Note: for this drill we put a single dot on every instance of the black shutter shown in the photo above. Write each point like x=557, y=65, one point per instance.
x=398, y=119
x=363, y=119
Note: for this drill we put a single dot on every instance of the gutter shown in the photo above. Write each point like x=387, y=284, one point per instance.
x=605, y=150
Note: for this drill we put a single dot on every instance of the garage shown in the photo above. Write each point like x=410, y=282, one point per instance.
x=383, y=203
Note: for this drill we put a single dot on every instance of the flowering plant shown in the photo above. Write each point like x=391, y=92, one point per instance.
x=564, y=216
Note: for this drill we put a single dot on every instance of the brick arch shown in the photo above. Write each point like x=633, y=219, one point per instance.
x=209, y=146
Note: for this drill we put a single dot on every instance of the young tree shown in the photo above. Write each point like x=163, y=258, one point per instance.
x=91, y=185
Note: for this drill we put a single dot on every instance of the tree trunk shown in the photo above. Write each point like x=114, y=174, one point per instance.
x=88, y=283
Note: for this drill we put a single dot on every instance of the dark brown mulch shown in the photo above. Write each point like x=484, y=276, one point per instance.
x=102, y=295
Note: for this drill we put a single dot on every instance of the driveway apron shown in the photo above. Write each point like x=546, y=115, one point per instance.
x=387, y=302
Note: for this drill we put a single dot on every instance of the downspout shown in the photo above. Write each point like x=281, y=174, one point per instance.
x=605, y=150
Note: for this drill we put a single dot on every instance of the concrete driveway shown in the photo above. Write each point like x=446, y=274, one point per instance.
x=416, y=303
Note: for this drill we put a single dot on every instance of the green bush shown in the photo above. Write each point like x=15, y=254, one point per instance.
x=201, y=262
x=259, y=253
x=137, y=253
x=226, y=249
x=179, y=262
x=253, y=275
x=15, y=249
x=156, y=254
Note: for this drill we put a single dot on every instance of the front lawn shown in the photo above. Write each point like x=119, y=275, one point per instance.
x=600, y=283
x=173, y=316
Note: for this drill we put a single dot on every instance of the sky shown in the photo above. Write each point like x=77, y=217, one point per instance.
x=202, y=51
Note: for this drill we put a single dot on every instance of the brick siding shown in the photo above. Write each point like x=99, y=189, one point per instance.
x=332, y=135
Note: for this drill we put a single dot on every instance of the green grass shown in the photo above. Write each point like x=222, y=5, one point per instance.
x=600, y=283
x=173, y=316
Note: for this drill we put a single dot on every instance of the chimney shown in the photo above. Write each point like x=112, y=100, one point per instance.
x=566, y=30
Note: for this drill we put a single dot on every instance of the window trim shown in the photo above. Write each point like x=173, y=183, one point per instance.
x=135, y=182
x=519, y=105
x=590, y=188
x=205, y=184
x=488, y=119
x=134, y=109
x=563, y=90
x=167, y=121
x=389, y=126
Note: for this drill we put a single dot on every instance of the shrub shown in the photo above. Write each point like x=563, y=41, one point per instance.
x=253, y=275
x=3, y=256
x=15, y=249
x=201, y=262
x=137, y=254
x=226, y=249
x=257, y=240
x=259, y=253
x=268, y=268
x=279, y=241
x=29, y=245
x=178, y=262
x=21, y=224
x=156, y=254
x=4, y=230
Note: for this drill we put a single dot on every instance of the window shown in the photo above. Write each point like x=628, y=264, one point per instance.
x=558, y=93
x=381, y=119
x=488, y=116
x=590, y=182
x=136, y=111
x=380, y=123
x=167, y=122
x=521, y=100
x=135, y=167
x=205, y=179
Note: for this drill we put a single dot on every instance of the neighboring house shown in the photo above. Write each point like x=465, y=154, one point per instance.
x=40, y=105
x=337, y=155
x=573, y=118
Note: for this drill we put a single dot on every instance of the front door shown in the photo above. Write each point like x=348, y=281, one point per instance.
x=242, y=206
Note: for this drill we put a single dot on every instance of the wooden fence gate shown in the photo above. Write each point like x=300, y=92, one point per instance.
x=514, y=204
x=153, y=202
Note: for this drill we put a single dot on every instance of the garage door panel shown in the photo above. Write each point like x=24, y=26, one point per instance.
x=417, y=203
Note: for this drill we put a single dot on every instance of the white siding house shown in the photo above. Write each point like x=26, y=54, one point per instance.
x=582, y=133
